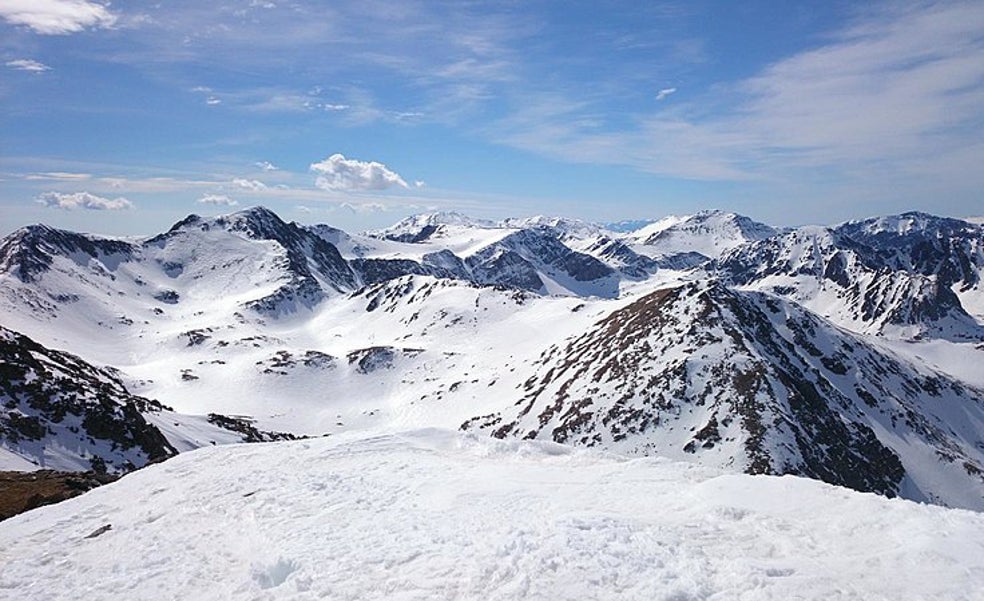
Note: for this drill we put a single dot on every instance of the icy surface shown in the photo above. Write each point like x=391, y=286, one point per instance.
x=439, y=515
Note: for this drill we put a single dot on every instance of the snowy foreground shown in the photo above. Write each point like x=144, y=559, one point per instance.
x=434, y=514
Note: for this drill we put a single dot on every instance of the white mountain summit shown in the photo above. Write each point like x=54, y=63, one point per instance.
x=822, y=352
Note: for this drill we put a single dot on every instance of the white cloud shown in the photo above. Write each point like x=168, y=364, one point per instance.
x=338, y=173
x=249, y=184
x=266, y=165
x=26, y=64
x=217, y=199
x=63, y=176
x=83, y=200
x=662, y=94
x=56, y=17
x=212, y=101
x=896, y=95
x=362, y=208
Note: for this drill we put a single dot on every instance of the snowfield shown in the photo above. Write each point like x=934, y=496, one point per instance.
x=436, y=514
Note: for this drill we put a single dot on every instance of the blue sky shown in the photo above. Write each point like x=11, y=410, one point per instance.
x=124, y=117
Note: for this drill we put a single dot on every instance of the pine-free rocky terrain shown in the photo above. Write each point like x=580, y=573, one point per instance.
x=660, y=367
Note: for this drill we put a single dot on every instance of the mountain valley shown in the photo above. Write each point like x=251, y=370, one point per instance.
x=846, y=354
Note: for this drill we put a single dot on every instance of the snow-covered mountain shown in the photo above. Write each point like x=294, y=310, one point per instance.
x=704, y=235
x=912, y=276
x=423, y=227
x=666, y=341
x=751, y=382
x=60, y=412
x=436, y=515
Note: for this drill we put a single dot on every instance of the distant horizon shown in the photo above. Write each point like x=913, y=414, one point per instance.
x=979, y=220
x=120, y=117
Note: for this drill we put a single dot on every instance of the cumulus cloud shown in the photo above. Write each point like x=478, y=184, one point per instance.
x=266, y=165
x=56, y=17
x=249, y=184
x=218, y=200
x=339, y=173
x=26, y=64
x=664, y=93
x=83, y=200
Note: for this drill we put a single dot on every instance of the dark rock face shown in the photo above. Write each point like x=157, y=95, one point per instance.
x=494, y=266
x=950, y=249
x=27, y=253
x=23, y=491
x=312, y=263
x=373, y=271
x=284, y=362
x=248, y=431
x=54, y=399
x=626, y=260
x=682, y=261
x=375, y=358
x=422, y=235
x=448, y=262
x=540, y=246
x=891, y=271
x=743, y=379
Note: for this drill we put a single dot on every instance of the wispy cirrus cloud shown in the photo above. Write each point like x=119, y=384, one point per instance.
x=57, y=17
x=899, y=92
x=662, y=94
x=65, y=176
x=339, y=173
x=82, y=200
x=217, y=200
x=26, y=64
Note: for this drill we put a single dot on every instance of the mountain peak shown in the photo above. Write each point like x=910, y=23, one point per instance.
x=909, y=223
x=710, y=233
x=28, y=251
x=420, y=227
x=566, y=227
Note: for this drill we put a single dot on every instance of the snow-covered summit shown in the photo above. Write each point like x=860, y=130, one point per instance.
x=909, y=223
x=30, y=250
x=710, y=233
x=432, y=514
x=566, y=228
x=418, y=228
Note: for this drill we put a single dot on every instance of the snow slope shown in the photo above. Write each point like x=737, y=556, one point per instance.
x=437, y=515
x=60, y=412
x=833, y=272
x=310, y=330
x=750, y=382
x=707, y=233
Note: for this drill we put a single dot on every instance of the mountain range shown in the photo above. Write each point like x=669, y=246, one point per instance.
x=848, y=354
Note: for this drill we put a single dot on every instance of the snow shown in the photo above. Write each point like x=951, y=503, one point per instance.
x=710, y=233
x=433, y=514
x=459, y=351
x=961, y=361
x=12, y=462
